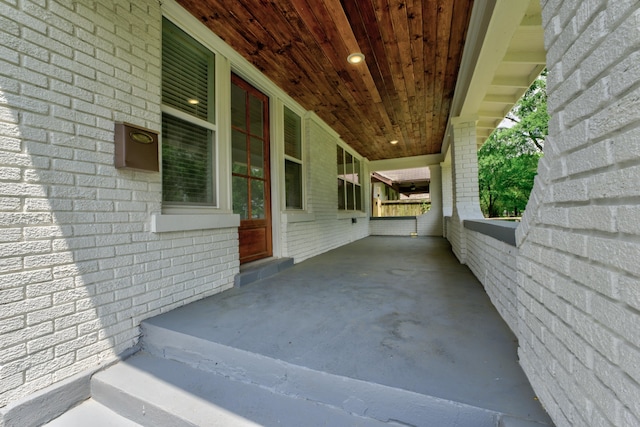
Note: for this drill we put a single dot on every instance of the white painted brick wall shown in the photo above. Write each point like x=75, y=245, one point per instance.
x=578, y=269
x=494, y=263
x=303, y=240
x=79, y=268
x=464, y=170
x=393, y=227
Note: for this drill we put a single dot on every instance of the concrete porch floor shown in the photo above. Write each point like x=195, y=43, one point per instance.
x=396, y=311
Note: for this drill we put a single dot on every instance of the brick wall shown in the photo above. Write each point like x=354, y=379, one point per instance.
x=464, y=173
x=393, y=226
x=579, y=269
x=79, y=267
x=328, y=229
x=494, y=264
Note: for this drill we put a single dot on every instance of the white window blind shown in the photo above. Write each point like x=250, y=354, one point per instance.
x=188, y=162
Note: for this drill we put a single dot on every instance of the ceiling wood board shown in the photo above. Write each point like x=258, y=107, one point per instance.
x=404, y=89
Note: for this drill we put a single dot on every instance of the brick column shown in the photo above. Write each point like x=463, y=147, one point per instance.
x=465, y=198
x=435, y=189
x=430, y=224
x=447, y=195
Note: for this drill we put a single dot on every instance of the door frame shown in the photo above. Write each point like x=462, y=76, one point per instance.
x=269, y=189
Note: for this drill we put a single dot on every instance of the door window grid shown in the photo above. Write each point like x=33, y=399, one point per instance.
x=248, y=154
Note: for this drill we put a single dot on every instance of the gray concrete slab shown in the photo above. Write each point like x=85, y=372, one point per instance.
x=157, y=392
x=396, y=311
x=91, y=413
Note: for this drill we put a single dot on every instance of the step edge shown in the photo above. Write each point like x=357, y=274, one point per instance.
x=153, y=411
x=362, y=398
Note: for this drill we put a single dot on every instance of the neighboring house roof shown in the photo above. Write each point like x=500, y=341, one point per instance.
x=408, y=182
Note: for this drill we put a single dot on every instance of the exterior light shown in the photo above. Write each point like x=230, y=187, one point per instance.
x=355, y=58
x=193, y=101
x=394, y=142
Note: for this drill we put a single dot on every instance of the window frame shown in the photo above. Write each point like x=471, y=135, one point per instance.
x=212, y=124
x=300, y=161
x=344, y=177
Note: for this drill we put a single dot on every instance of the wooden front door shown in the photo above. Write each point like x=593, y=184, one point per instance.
x=251, y=183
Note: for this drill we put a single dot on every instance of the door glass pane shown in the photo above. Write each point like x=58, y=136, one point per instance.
x=257, y=199
x=293, y=184
x=239, y=152
x=238, y=110
x=240, y=192
x=255, y=115
x=257, y=157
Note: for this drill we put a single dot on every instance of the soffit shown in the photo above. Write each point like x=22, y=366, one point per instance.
x=404, y=89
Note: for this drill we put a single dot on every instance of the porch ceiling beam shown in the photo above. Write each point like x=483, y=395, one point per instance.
x=526, y=57
x=501, y=99
x=532, y=21
x=406, y=162
x=511, y=81
x=494, y=43
x=487, y=124
x=492, y=114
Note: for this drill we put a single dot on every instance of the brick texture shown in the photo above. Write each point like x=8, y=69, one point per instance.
x=329, y=230
x=578, y=274
x=79, y=268
x=494, y=263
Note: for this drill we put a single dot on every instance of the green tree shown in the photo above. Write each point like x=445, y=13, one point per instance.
x=508, y=161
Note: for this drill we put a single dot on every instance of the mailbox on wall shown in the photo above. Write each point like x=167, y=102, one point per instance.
x=136, y=148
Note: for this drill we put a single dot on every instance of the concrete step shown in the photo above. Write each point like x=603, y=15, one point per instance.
x=91, y=413
x=261, y=269
x=379, y=402
x=156, y=392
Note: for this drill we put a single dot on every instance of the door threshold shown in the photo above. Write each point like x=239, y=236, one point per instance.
x=261, y=269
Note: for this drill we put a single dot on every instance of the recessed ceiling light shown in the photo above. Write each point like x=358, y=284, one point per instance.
x=394, y=142
x=193, y=101
x=355, y=58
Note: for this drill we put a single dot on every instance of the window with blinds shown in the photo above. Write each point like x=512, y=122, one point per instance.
x=349, y=185
x=188, y=120
x=293, y=160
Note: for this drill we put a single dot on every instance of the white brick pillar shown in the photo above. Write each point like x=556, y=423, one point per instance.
x=430, y=224
x=465, y=198
x=447, y=196
x=435, y=189
x=447, y=189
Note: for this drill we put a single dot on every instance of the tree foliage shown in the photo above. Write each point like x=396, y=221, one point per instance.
x=508, y=161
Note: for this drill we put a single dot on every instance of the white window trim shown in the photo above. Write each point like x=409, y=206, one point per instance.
x=294, y=213
x=175, y=217
x=167, y=223
x=176, y=208
x=188, y=117
x=228, y=60
x=346, y=213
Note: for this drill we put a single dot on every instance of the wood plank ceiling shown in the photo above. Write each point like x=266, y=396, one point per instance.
x=402, y=92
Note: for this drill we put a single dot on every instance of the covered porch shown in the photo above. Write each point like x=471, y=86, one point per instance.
x=388, y=329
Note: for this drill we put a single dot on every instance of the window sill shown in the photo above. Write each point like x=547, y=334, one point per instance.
x=166, y=222
x=291, y=217
x=351, y=214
